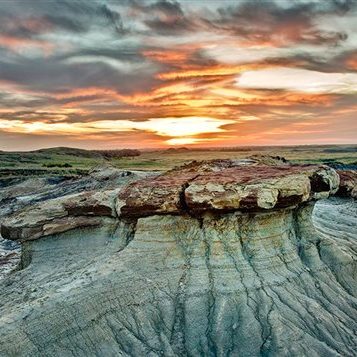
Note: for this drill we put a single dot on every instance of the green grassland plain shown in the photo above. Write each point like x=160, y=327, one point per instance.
x=74, y=162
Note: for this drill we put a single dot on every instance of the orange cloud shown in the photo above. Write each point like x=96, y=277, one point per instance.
x=218, y=70
x=169, y=57
x=178, y=130
x=352, y=62
x=17, y=43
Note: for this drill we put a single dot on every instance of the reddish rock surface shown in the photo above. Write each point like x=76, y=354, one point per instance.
x=226, y=185
x=348, y=183
x=197, y=187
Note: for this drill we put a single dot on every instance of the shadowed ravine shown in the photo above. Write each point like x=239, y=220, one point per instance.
x=215, y=283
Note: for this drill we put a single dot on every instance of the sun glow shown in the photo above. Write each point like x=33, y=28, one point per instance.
x=182, y=127
x=182, y=141
x=179, y=130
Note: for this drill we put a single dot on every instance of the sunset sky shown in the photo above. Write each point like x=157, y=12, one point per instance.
x=145, y=74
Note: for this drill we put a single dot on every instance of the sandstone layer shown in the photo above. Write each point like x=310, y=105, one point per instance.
x=212, y=259
x=348, y=183
x=225, y=185
x=48, y=205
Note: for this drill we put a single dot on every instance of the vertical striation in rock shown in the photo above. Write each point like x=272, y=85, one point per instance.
x=211, y=259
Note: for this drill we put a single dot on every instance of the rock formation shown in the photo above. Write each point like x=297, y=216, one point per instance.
x=226, y=186
x=348, y=183
x=43, y=197
x=216, y=258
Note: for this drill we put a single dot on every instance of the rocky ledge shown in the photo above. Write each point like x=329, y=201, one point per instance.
x=348, y=183
x=225, y=186
x=217, y=258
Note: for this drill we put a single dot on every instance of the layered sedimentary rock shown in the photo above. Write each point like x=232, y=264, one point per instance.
x=60, y=215
x=212, y=259
x=56, y=204
x=225, y=185
x=348, y=183
x=336, y=217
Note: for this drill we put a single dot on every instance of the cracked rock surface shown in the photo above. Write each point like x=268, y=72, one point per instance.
x=41, y=206
x=193, y=273
x=224, y=185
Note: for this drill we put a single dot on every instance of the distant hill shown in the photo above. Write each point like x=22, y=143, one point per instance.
x=177, y=150
x=110, y=154
x=88, y=153
x=68, y=151
x=16, y=166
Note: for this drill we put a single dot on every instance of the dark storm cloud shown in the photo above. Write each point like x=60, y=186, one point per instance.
x=31, y=18
x=54, y=75
x=164, y=17
x=254, y=20
x=114, y=19
x=258, y=21
x=168, y=17
x=345, y=61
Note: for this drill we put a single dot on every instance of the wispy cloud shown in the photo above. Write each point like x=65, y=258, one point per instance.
x=177, y=130
x=301, y=80
x=176, y=72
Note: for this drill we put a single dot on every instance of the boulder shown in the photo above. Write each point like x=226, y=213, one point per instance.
x=226, y=185
x=59, y=215
x=348, y=183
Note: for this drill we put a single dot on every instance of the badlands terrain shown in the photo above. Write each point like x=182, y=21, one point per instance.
x=252, y=256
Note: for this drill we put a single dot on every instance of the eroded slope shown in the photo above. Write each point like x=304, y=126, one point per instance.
x=222, y=280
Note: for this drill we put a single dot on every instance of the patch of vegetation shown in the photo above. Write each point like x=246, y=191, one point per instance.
x=341, y=149
x=65, y=165
x=111, y=154
x=57, y=162
x=67, y=151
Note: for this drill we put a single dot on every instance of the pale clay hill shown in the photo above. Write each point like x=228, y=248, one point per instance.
x=215, y=258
